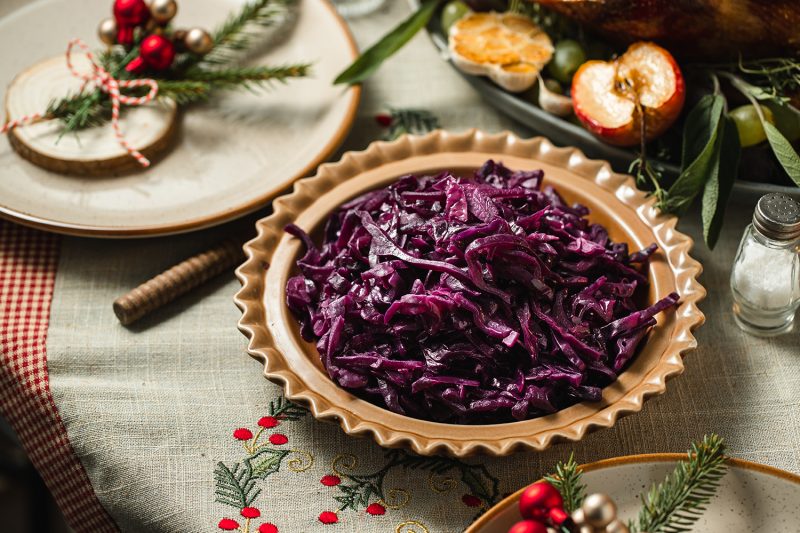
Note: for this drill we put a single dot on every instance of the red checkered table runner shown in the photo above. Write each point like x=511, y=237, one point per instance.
x=28, y=263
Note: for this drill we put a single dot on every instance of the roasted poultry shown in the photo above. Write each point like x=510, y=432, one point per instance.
x=693, y=29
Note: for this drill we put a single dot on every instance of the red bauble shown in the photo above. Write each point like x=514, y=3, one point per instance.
x=155, y=53
x=528, y=526
x=129, y=14
x=538, y=499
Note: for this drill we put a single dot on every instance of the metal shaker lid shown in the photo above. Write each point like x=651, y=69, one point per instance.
x=777, y=216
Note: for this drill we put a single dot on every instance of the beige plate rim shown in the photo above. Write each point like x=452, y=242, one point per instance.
x=158, y=230
x=644, y=458
x=284, y=360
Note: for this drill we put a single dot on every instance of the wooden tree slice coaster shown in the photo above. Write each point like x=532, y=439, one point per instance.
x=95, y=151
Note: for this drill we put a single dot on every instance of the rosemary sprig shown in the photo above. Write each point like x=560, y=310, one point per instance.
x=567, y=479
x=674, y=505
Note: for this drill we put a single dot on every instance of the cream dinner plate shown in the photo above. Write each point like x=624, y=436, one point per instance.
x=233, y=155
x=752, y=498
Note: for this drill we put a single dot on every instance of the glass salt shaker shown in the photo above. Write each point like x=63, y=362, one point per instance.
x=765, y=279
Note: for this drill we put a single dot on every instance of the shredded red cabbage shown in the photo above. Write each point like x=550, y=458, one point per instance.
x=471, y=300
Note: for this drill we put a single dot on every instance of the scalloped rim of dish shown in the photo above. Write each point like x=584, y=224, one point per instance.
x=429, y=438
x=486, y=518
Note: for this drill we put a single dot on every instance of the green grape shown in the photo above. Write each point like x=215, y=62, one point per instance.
x=567, y=57
x=451, y=13
x=751, y=132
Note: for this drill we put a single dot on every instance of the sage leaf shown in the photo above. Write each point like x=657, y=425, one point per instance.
x=698, y=156
x=368, y=62
x=718, y=188
x=783, y=150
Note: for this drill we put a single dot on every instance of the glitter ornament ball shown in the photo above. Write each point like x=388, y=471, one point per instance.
x=129, y=14
x=107, y=31
x=599, y=510
x=163, y=11
x=538, y=499
x=617, y=526
x=198, y=41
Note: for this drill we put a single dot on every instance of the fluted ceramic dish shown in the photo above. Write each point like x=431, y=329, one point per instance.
x=274, y=336
x=752, y=497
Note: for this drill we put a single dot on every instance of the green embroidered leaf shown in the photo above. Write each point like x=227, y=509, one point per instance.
x=699, y=153
x=480, y=482
x=282, y=408
x=783, y=150
x=265, y=462
x=368, y=62
x=720, y=182
x=234, y=485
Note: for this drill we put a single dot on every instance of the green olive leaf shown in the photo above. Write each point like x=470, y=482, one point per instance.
x=700, y=135
x=783, y=150
x=368, y=62
x=719, y=186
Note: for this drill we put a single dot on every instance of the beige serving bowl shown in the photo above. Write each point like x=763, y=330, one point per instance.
x=614, y=201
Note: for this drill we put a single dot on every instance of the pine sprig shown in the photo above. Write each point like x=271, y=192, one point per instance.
x=239, y=31
x=410, y=120
x=674, y=505
x=567, y=479
x=80, y=110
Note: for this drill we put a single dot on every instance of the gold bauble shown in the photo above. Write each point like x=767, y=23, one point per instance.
x=107, y=31
x=586, y=529
x=578, y=517
x=163, y=11
x=599, y=510
x=617, y=526
x=198, y=41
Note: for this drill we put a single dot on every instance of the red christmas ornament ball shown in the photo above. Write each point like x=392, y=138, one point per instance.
x=156, y=53
x=528, y=526
x=129, y=14
x=538, y=499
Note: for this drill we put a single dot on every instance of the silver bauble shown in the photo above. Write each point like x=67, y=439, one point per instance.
x=163, y=11
x=198, y=41
x=107, y=31
x=599, y=510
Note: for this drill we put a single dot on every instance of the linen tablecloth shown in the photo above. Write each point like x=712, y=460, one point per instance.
x=169, y=426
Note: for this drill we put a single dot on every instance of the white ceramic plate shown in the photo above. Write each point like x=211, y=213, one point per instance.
x=233, y=155
x=753, y=498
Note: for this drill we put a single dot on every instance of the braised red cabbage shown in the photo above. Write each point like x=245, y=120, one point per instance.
x=471, y=300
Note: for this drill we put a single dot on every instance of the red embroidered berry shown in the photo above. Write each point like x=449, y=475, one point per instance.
x=268, y=422
x=330, y=481
x=251, y=512
x=267, y=528
x=278, y=439
x=471, y=501
x=376, y=509
x=242, y=434
x=226, y=524
x=327, y=517
x=384, y=120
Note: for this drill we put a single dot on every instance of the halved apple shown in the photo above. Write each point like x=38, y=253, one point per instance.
x=612, y=98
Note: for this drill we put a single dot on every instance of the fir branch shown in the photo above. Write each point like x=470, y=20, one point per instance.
x=80, y=110
x=248, y=77
x=184, y=91
x=239, y=30
x=674, y=505
x=567, y=479
x=410, y=120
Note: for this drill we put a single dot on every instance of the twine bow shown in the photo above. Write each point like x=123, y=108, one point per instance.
x=104, y=81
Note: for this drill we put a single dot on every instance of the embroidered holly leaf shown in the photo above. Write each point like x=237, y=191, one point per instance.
x=235, y=485
x=437, y=465
x=265, y=462
x=282, y=408
x=480, y=482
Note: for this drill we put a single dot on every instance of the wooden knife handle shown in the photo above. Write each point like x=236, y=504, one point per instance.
x=176, y=281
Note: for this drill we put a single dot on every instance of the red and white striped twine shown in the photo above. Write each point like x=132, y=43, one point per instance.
x=101, y=78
